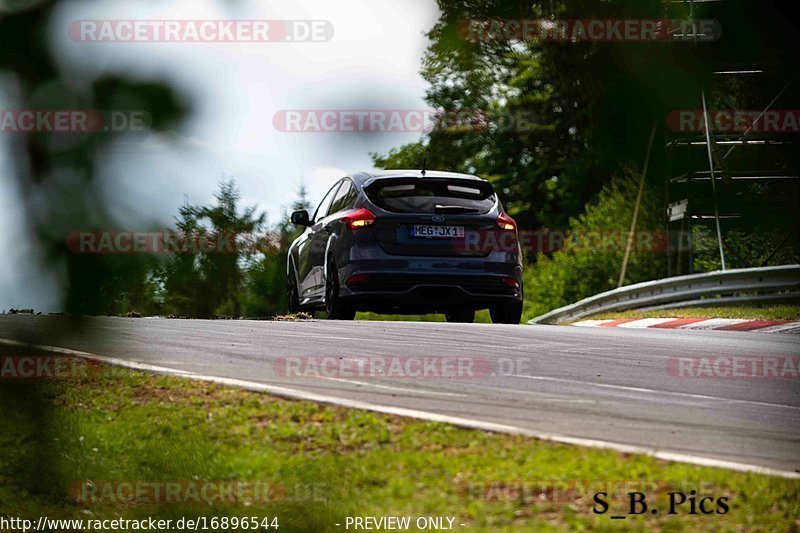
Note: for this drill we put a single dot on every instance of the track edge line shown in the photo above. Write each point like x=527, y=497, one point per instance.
x=296, y=394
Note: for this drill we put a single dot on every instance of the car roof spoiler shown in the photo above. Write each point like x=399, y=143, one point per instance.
x=483, y=185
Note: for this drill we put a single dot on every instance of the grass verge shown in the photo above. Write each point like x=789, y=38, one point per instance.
x=324, y=463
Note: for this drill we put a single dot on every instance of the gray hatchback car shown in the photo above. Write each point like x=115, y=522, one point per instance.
x=409, y=242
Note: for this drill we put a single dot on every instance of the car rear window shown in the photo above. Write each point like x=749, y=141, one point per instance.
x=427, y=195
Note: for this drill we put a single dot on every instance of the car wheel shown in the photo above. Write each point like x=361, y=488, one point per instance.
x=510, y=313
x=336, y=308
x=465, y=316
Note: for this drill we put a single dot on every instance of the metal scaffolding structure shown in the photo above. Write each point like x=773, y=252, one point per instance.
x=753, y=171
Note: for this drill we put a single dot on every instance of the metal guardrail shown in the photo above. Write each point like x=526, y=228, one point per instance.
x=729, y=287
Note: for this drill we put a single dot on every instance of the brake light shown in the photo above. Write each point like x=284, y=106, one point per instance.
x=359, y=218
x=358, y=279
x=506, y=223
x=511, y=282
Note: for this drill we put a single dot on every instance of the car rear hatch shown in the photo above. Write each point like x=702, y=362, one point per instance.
x=438, y=217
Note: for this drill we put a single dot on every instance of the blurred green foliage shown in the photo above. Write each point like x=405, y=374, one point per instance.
x=590, y=265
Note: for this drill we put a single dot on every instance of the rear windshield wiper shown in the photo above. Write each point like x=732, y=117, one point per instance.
x=454, y=209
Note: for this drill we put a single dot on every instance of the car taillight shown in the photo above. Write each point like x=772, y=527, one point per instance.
x=358, y=279
x=506, y=223
x=511, y=282
x=359, y=218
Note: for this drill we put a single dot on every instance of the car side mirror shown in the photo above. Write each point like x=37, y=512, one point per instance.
x=300, y=218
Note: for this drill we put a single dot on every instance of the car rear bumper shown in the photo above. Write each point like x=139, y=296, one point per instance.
x=432, y=284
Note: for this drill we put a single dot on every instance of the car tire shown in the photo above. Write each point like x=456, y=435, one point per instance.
x=510, y=313
x=461, y=316
x=337, y=308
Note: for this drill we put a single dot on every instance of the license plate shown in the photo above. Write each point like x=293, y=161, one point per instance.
x=451, y=232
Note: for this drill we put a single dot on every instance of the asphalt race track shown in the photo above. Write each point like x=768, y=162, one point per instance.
x=610, y=385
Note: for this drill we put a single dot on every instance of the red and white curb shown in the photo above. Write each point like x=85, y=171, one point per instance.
x=722, y=324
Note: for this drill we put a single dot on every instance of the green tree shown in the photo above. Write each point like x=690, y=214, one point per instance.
x=207, y=281
x=183, y=282
x=265, y=293
x=591, y=258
